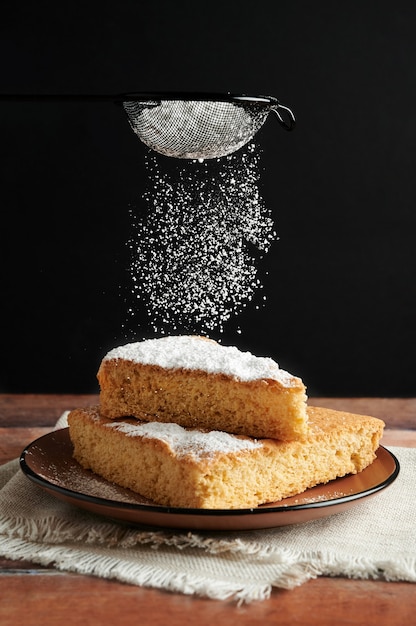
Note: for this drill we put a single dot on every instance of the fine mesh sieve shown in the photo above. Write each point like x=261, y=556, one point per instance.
x=187, y=125
x=201, y=126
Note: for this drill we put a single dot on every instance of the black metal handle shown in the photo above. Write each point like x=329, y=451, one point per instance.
x=60, y=98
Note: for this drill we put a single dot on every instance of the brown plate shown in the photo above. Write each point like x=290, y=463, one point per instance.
x=48, y=462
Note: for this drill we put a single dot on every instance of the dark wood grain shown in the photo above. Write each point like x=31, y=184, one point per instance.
x=39, y=410
x=30, y=594
x=73, y=600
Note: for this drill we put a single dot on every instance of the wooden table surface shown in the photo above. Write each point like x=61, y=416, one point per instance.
x=34, y=595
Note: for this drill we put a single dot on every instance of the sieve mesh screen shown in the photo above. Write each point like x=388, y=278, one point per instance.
x=196, y=129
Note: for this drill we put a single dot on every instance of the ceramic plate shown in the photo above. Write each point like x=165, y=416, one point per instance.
x=48, y=462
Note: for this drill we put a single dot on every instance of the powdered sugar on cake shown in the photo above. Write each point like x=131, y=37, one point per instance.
x=182, y=442
x=198, y=353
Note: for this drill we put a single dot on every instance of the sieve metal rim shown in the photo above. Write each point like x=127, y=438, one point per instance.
x=198, y=96
x=283, y=113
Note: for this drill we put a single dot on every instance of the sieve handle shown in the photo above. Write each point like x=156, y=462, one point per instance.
x=287, y=119
x=25, y=97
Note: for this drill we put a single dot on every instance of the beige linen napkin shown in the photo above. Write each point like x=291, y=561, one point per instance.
x=374, y=539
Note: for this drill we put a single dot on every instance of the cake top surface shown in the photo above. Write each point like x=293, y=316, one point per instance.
x=184, y=442
x=198, y=353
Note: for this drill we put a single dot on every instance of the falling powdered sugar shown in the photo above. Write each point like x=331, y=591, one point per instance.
x=194, y=254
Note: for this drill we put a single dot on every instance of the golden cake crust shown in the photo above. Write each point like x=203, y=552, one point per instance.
x=179, y=467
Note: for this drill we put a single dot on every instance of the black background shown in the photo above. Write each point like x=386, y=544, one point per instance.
x=340, y=281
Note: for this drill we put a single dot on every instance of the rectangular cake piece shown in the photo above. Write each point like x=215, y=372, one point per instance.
x=198, y=383
x=188, y=468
